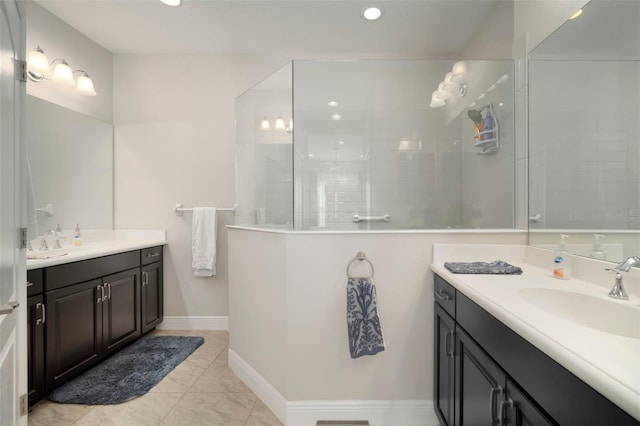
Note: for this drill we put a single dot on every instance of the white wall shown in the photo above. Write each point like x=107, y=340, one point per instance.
x=311, y=284
x=174, y=142
x=59, y=40
x=539, y=18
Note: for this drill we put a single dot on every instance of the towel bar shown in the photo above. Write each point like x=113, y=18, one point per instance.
x=360, y=257
x=180, y=210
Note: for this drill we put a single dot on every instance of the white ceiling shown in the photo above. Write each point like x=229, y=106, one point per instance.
x=424, y=28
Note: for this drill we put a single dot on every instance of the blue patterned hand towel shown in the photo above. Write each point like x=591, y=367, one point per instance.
x=363, y=322
x=497, y=267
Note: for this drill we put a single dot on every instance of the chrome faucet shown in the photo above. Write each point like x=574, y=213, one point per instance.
x=618, y=292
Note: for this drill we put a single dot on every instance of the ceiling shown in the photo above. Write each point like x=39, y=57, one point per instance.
x=605, y=30
x=433, y=28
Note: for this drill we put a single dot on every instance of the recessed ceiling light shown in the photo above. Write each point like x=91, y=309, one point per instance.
x=332, y=103
x=172, y=2
x=372, y=13
x=336, y=117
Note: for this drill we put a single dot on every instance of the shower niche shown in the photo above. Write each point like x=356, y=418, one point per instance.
x=356, y=145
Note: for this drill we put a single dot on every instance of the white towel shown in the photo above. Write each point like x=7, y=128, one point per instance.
x=203, y=241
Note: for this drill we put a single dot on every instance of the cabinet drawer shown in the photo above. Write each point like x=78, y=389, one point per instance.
x=150, y=255
x=71, y=273
x=445, y=295
x=35, y=282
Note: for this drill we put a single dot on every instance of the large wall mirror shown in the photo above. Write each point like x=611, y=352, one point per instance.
x=584, y=133
x=70, y=169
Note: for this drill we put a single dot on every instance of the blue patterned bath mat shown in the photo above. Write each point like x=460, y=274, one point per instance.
x=128, y=373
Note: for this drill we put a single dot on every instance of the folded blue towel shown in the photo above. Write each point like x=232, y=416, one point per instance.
x=497, y=267
x=363, y=322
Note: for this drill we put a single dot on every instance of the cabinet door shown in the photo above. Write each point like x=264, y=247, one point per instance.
x=121, y=309
x=444, y=365
x=35, y=347
x=479, y=384
x=518, y=410
x=73, y=332
x=152, y=296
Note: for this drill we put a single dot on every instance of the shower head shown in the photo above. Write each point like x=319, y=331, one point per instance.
x=475, y=115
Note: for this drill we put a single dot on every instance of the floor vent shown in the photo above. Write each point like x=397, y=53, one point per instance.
x=342, y=423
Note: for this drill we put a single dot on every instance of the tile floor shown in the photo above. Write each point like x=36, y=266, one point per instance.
x=202, y=390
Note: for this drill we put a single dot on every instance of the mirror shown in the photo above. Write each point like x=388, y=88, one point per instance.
x=584, y=111
x=69, y=168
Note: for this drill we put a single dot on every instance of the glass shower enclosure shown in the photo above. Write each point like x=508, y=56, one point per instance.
x=377, y=145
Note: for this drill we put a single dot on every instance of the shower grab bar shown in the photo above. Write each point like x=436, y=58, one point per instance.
x=180, y=210
x=384, y=218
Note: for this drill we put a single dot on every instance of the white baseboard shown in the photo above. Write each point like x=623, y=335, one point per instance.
x=194, y=323
x=259, y=385
x=307, y=413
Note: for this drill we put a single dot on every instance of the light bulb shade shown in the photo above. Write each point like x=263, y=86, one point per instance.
x=38, y=63
x=435, y=101
x=62, y=74
x=172, y=3
x=459, y=68
x=443, y=93
x=264, y=124
x=279, y=124
x=84, y=85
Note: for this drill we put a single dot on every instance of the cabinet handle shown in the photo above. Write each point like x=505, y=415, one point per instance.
x=442, y=295
x=108, y=286
x=101, y=290
x=447, y=335
x=153, y=255
x=493, y=405
x=505, y=405
x=145, y=278
x=41, y=320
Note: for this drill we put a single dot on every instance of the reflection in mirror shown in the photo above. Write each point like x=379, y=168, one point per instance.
x=69, y=168
x=584, y=107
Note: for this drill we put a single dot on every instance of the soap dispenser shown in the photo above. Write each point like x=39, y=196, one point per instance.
x=562, y=260
x=597, y=252
x=77, y=239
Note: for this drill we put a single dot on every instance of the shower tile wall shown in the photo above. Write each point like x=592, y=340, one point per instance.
x=584, y=144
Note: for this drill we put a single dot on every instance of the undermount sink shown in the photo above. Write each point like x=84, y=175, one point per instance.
x=609, y=316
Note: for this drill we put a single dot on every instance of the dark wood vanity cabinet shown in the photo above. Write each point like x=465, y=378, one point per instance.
x=87, y=310
x=121, y=309
x=152, y=287
x=73, y=330
x=444, y=366
x=36, y=317
x=499, y=378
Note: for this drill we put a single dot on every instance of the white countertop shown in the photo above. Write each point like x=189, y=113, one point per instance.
x=607, y=362
x=99, y=243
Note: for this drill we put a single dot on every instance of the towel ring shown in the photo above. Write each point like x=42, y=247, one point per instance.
x=359, y=258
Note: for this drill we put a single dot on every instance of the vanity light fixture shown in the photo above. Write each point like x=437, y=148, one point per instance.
x=172, y=3
x=84, y=84
x=278, y=125
x=372, y=13
x=453, y=85
x=39, y=68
